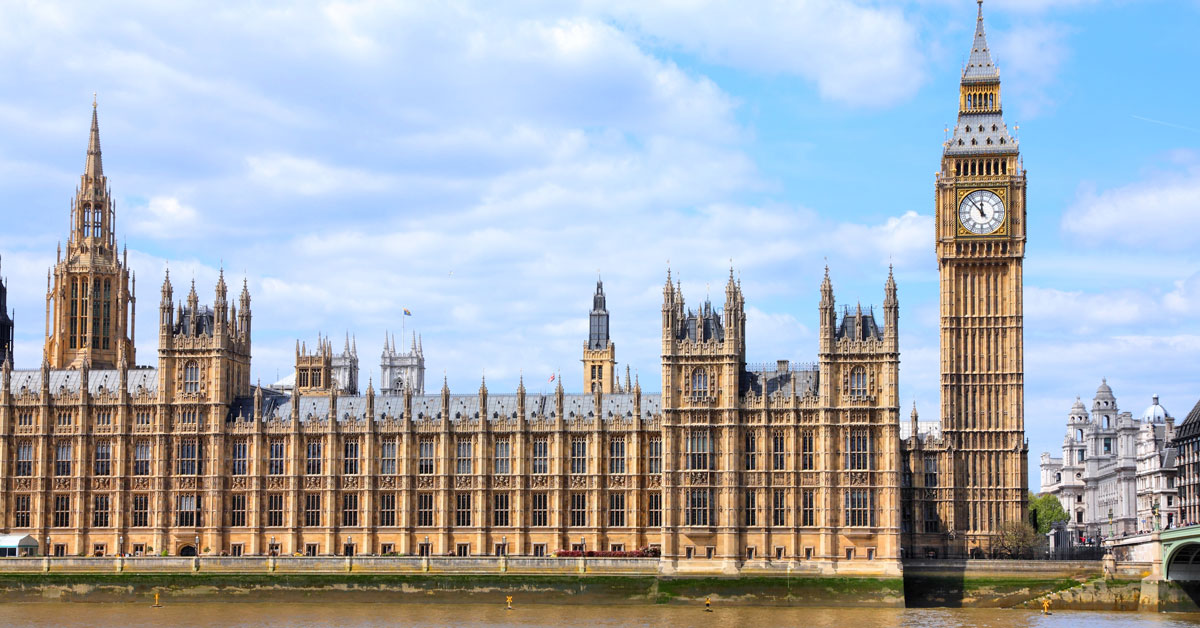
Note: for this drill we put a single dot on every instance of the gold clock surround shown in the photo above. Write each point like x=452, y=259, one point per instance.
x=1001, y=231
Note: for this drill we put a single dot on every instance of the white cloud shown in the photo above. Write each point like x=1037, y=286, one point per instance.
x=1079, y=312
x=291, y=175
x=1158, y=214
x=1030, y=58
x=164, y=217
x=1185, y=298
x=901, y=240
x=856, y=54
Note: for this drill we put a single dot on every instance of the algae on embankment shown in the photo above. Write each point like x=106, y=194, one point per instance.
x=556, y=589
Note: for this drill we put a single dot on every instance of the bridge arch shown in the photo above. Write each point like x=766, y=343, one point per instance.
x=1183, y=562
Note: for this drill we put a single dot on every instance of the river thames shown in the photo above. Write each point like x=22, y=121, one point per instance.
x=420, y=615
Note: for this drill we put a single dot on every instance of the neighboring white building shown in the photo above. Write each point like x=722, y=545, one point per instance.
x=1114, y=469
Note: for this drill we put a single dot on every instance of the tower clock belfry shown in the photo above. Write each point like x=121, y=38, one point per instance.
x=89, y=302
x=980, y=225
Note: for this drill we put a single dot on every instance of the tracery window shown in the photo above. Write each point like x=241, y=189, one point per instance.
x=858, y=449
x=102, y=462
x=858, y=382
x=699, y=446
x=616, y=455
x=191, y=377
x=541, y=455
x=24, y=459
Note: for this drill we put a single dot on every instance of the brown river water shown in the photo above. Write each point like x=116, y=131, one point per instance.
x=351, y=615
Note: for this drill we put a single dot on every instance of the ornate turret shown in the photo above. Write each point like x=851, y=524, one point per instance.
x=599, y=352
x=6, y=322
x=90, y=303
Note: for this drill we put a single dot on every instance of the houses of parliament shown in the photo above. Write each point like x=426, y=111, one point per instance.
x=730, y=462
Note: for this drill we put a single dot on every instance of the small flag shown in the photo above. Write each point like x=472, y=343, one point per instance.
x=407, y=313
x=552, y=378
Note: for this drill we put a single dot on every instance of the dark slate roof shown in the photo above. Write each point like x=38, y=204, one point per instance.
x=702, y=326
x=203, y=318
x=462, y=407
x=1190, y=428
x=856, y=328
x=68, y=380
x=769, y=382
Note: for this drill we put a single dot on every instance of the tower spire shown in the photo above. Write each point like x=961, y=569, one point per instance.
x=979, y=64
x=94, y=167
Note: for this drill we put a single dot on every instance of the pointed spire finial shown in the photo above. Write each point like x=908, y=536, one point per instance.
x=94, y=167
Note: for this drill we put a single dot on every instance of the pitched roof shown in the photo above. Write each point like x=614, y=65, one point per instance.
x=979, y=64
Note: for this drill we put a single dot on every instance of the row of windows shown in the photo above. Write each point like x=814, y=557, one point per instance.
x=25, y=418
x=699, y=509
x=189, y=455
x=188, y=511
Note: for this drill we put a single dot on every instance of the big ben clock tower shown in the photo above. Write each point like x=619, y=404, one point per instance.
x=980, y=223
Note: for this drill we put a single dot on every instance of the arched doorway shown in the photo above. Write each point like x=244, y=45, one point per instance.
x=1184, y=563
x=187, y=550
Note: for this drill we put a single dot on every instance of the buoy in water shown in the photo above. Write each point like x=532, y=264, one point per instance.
x=508, y=601
x=708, y=605
x=156, y=604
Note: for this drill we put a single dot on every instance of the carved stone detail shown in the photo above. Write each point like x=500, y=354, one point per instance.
x=387, y=481
x=654, y=481
x=100, y=484
x=424, y=482
x=463, y=481
x=539, y=481
x=350, y=481
x=616, y=481
x=501, y=481
x=859, y=479
x=237, y=482
x=313, y=481
x=578, y=481
x=142, y=484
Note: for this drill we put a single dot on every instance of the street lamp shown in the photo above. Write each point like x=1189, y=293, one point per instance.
x=1110, y=525
x=582, y=545
x=271, y=547
x=1154, y=509
x=428, y=549
x=504, y=545
x=120, y=545
x=197, y=545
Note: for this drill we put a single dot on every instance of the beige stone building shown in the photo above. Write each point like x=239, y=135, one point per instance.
x=731, y=464
x=967, y=479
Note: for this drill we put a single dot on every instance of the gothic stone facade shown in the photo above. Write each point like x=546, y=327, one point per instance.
x=968, y=480
x=101, y=457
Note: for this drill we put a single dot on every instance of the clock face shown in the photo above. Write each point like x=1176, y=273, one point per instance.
x=981, y=212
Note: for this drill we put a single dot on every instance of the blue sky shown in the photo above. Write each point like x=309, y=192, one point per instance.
x=478, y=163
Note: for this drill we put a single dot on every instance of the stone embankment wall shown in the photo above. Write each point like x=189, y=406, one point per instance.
x=1087, y=585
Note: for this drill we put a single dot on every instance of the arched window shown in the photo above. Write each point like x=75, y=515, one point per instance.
x=191, y=377
x=1106, y=422
x=1079, y=436
x=1057, y=478
x=699, y=382
x=858, y=382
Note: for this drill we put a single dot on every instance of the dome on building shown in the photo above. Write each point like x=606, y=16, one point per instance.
x=1104, y=389
x=1078, y=409
x=1155, y=413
